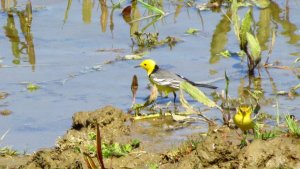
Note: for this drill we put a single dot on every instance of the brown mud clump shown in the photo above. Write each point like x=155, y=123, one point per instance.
x=219, y=148
x=67, y=152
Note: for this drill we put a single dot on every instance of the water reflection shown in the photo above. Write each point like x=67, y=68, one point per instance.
x=178, y=9
x=12, y=34
x=264, y=28
x=252, y=92
x=67, y=10
x=18, y=46
x=219, y=38
x=131, y=14
x=87, y=9
x=87, y=6
x=104, y=16
x=268, y=20
x=289, y=28
x=6, y=4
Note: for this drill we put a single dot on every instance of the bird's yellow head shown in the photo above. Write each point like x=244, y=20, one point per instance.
x=149, y=65
x=244, y=110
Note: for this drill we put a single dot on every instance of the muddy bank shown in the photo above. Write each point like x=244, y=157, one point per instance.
x=219, y=148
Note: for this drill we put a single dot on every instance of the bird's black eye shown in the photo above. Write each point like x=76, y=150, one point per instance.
x=145, y=64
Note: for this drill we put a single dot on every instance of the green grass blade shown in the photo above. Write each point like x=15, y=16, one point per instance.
x=152, y=8
x=197, y=94
x=245, y=27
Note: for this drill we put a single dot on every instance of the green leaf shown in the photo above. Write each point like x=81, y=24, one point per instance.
x=153, y=8
x=245, y=27
x=135, y=143
x=117, y=150
x=192, y=31
x=106, y=152
x=32, y=87
x=197, y=94
x=91, y=148
x=127, y=148
x=225, y=53
x=255, y=49
x=92, y=136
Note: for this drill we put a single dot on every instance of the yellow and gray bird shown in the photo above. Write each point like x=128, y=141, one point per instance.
x=164, y=80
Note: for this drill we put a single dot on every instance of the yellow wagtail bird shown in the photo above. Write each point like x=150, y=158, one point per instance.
x=243, y=119
x=164, y=80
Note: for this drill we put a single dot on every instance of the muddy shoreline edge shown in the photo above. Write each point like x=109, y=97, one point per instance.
x=218, y=149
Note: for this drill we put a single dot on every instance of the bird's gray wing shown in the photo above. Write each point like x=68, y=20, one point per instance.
x=166, y=78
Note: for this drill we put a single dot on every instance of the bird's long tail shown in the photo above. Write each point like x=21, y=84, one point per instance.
x=203, y=85
x=198, y=84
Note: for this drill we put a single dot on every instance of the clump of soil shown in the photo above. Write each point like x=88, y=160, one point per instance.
x=219, y=148
x=66, y=154
x=282, y=152
x=111, y=121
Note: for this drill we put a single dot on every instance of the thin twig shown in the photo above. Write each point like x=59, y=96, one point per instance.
x=99, y=147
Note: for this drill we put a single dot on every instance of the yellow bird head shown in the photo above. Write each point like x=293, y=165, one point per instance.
x=149, y=65
x=244, y=110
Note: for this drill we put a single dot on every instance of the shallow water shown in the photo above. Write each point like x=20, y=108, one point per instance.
x=65, y=61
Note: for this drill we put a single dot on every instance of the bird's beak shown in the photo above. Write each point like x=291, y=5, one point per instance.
x=137, y=66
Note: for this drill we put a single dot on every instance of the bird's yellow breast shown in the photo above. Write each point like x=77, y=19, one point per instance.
x=243, y=122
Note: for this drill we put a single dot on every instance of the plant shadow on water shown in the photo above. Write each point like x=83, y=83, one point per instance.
x=20, y=47
x=82, y=71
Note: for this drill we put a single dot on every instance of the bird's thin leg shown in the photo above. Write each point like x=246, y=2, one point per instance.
x=174, y=96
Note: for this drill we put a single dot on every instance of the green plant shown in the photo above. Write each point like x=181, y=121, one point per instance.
x=264, y=135
x=89, y=161
x=244, y=32
x=92, y=136
x=118, y=150
x=151, y=40
x=153, y=166
x=243, y=143
x=293, y=126
x=32, y=87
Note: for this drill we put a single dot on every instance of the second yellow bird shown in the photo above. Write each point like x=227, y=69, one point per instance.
x=165, y=80
x=243, y=119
